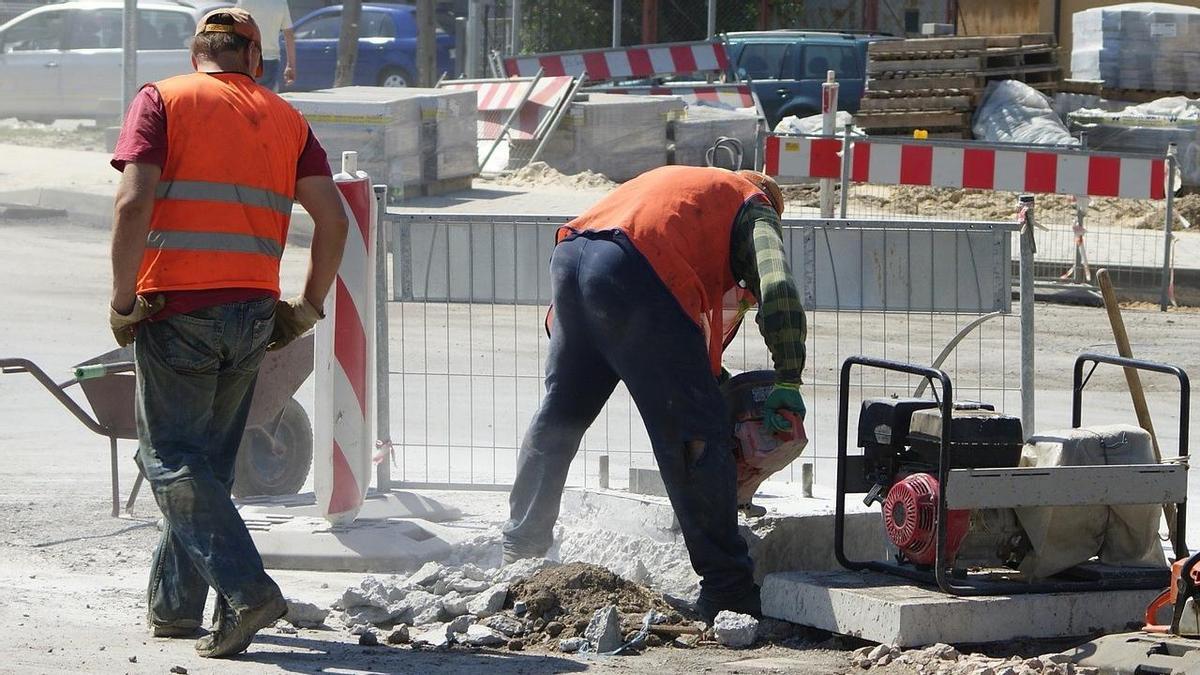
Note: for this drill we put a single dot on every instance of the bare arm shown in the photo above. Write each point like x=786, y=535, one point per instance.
x=131, y=222
x=319, y=196
x=289, y=43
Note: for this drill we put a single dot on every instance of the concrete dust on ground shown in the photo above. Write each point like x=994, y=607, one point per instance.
x=63, y=134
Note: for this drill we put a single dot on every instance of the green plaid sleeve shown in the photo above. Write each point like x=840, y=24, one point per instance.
x=758, y=258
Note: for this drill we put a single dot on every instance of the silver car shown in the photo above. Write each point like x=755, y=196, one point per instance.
x=64, y=60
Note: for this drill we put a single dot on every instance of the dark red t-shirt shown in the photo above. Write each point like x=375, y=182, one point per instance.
x=143, y=140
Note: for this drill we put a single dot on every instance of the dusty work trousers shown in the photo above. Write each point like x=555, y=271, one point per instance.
x=614, y=320
x=195, y=381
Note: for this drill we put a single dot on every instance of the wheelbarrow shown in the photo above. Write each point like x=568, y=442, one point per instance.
x=276, y=450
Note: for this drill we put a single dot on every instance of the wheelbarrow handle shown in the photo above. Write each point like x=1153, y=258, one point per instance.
x=95, y=370
x=12, y=366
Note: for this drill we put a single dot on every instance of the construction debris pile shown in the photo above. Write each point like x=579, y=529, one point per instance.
x=944, y=659
x=535, y=603
x=936, y=84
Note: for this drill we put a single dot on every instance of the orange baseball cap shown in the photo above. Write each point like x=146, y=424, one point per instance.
x=233, y=20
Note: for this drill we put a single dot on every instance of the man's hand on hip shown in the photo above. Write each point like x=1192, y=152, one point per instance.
x=293, y=318
x=124, y=326
x=785, y=397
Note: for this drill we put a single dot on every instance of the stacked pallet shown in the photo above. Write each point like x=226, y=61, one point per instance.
x=935, y=84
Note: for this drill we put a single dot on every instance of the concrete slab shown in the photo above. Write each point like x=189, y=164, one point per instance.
x=888, y=610
x=796, y=533
x=376, y=506
x=390, y=545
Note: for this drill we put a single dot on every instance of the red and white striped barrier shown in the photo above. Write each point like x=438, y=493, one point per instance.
x=969, y=166
x=344, y=424
x=728, y=95
x=498, y=98
x=680, y=58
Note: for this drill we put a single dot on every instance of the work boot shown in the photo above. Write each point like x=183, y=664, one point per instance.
x=233, y=631
x=175, y=629
x=749, y=603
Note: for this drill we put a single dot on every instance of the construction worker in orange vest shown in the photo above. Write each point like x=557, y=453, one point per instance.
x=211, y=163
x=648, y=288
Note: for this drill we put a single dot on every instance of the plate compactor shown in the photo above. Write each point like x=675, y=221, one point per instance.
x=974, y=506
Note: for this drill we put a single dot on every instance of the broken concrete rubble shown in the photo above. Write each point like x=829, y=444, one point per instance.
x=305, y=614
x=735, y=630
x=604, y=631
x=478, y=635
x=946, y=660
x=489, y=601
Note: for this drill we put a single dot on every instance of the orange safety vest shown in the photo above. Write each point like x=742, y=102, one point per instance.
x=681, y=218
x=224, y=200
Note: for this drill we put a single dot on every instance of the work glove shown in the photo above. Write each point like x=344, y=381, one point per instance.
x=124, y=326
x=293, y=318
x=784, y=397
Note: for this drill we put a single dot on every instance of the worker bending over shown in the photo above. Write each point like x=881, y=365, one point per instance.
x=649, y=286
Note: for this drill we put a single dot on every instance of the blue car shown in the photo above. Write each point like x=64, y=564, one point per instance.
x=787, y=68
x=387, y=47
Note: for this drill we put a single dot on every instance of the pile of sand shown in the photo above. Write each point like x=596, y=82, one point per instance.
x=541, y=174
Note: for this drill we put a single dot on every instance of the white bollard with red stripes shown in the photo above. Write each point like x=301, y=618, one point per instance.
x=344, y=428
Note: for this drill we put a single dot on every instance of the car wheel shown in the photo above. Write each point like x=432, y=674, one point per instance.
x=275, y=462
x=394, y=77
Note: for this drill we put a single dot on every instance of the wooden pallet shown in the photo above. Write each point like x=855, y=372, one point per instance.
x=898, y=49
x=913, y=120
x=872, y=103
x=1096, y=88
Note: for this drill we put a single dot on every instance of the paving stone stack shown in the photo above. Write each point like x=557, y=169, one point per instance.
x=696, y=132
x=1140, y=47
x=935, y=84
x=418, y=141
x=616, y=135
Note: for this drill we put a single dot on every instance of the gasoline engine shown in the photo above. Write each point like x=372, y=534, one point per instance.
x=900, y=439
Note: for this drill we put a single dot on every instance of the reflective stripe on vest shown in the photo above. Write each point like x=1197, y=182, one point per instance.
x=200, y=190
x=214, y=241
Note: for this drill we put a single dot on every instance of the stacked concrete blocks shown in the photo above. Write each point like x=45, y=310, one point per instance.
x=415, y=140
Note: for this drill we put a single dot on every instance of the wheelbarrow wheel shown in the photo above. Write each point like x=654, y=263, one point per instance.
x=275, y=463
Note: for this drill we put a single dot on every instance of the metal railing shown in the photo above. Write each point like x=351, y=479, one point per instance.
x=468, y=342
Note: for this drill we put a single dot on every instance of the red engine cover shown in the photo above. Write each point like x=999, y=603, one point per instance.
x=909, y=513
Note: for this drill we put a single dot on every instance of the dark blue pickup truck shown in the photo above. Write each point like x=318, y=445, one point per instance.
x=787, y=68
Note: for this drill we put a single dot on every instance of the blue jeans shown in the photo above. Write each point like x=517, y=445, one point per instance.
x=195, y=381
x=614, y=320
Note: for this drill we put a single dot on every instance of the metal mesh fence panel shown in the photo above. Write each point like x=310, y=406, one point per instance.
x=468, y=340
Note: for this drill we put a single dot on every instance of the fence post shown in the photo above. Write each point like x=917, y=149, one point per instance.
x=616, y=24
x=383, y=422
x=1164, y=298
x=1028, y=249
x=829, y=98
x=514, y=43
x=844, y=180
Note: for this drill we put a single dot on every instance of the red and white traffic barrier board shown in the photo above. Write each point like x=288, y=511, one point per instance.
x=985, y=167
x=731, y=95
x=498, y=98
x=344, y=424
x=680, y=58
